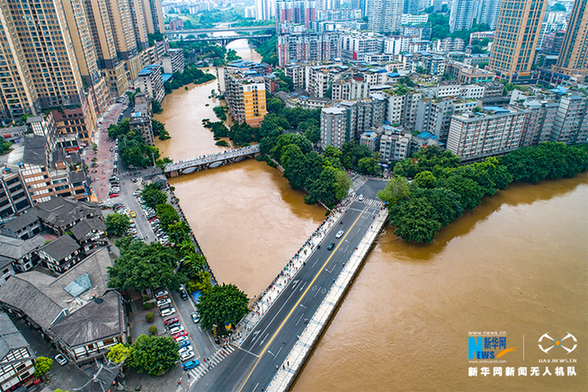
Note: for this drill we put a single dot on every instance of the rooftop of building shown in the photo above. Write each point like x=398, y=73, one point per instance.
x=87, y=226
x=61, y=211
x=47, y=299
x=15, y=248
x=10, y=338
x=20, y=222
x=62, y=247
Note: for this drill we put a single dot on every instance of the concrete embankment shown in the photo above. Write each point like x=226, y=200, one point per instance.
x=295, y=360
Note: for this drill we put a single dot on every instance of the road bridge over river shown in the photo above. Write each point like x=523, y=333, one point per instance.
x=203, y=162
x=276, y=344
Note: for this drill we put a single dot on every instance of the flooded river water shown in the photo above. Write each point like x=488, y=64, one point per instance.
x=516, y=265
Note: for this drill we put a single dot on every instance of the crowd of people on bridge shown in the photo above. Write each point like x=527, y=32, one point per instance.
x=213, y=157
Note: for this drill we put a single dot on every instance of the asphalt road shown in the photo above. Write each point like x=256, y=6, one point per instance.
x=253, y=365
x=371, y=188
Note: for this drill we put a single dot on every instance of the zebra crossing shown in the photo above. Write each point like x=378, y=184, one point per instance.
x=371, y=202
x=216, y=358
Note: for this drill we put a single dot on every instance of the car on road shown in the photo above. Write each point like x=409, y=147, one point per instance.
x=171, y=321
x=184, y=343
x=185, y=349
x=190, y=364
x=360, y=198
x=194, y=317
x=187, y=355
x=339, y=234
x=162, y=302
x=133, y=214
x=61, y=359
x=180, y=334
x=184, y=295
x=331, y=246
x=167, y=312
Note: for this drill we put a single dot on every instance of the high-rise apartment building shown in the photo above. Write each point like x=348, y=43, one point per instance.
x=153, y=16
x=571, y=121
x=300, y=12
x=265, y=9
x=462, y=14
x=245, y=96
x=487, y=12
x=384, y=16
x=573, y=56
x=515, y=40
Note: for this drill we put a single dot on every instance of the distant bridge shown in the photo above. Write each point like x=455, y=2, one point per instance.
x=207, y=161
x=244, y=29
x=224, y=40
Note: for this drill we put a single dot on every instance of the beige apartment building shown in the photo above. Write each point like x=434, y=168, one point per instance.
x=515, y=39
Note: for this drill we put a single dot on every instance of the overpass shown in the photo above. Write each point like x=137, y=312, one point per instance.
x=244, y=29
x=207, y=161
x=275, y=339
x=224, y=40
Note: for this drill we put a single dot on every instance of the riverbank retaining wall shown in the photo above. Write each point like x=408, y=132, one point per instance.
x=295, y=360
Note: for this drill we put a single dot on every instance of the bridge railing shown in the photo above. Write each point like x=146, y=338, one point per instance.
x=211, y=158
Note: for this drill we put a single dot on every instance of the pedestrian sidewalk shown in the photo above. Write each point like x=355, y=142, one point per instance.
x=270, y=294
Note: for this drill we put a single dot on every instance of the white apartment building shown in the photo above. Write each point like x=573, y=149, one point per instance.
x=479, y=135
x=333, y=127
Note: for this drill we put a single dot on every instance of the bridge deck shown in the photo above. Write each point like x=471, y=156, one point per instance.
x=212, y=158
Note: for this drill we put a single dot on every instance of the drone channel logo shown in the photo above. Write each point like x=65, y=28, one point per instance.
x=547, y=343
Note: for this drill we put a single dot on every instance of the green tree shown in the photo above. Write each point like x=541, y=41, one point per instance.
x=149, y=316
x=119, y=353
x=152, y=330
x=470, y=191
x=152, y=195
x=5, y=147
x=42, y=366
x=145, y=266
x=447, y=204
x=154, y=355
x=295, y=166
x=413, y=220
x=291, y=138
x=313, y=134
x=167, y=215
x=341, y=185
x=425, y=179
x=368, y=166
x=222, y=305
x=396, y=189
x=156, y=106
x=275, y=105
x=117, y=224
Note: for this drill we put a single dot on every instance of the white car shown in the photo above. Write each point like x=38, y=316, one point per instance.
x=185, y=349
x=360, y=198
x=163, y=302
x=161, y=292
x=181, y=339
x=187, y=355
x=167, y=312
x=61, y=359
x=176, y=329
x=339, y=234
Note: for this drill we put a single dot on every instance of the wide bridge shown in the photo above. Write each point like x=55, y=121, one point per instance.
x=213, y=160
x=226, y=39
x=244, y=29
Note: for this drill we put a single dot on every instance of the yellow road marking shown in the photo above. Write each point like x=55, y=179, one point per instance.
x=300, y=299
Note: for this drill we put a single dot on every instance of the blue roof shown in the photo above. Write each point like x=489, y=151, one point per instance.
x=393, y=74
x=427, y=135
x=166, y=77
x=496, y=109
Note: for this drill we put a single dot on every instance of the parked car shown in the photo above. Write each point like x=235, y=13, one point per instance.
x=61, y=359
x=176, y=324
x=184, y=343
x=180, y=334
x=182, y=339
x=185, y=349
x=162, y=302
x=190, y=364
x=187, y=355
x=113, y=195
x=167, y=312
x=171, y=321
x=184, y=295
x=161, y=292
x=176, y=328
x=194, y=317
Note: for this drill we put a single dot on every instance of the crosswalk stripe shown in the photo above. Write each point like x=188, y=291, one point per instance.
x=215, y=359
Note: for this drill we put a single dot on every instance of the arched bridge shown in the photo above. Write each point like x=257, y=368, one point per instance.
x=213, y=160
